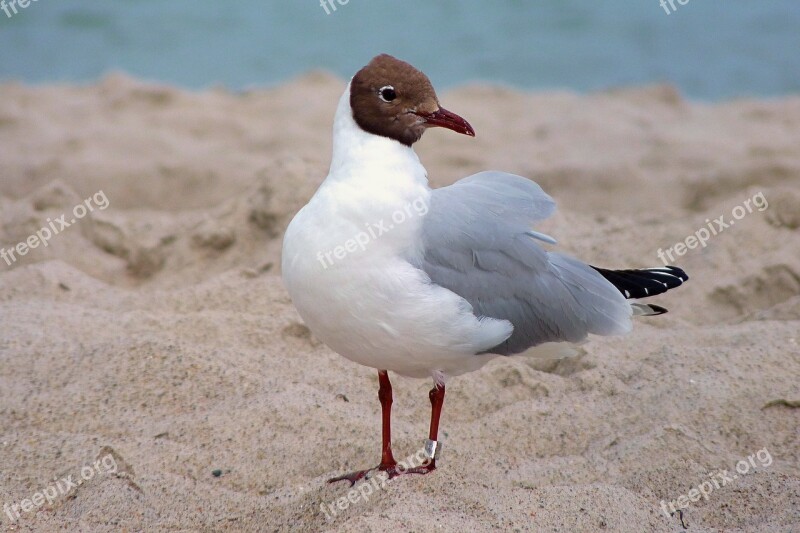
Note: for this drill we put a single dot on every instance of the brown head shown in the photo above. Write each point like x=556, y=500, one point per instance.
x=391, y=98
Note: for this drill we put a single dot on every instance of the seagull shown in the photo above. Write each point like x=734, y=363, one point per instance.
x=434, y=283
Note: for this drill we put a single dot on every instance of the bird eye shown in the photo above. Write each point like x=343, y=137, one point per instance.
x=387, y=93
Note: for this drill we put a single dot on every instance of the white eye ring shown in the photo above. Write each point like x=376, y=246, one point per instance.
x=387, y=93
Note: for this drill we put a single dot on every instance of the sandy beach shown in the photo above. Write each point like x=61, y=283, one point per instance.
x=150, y=352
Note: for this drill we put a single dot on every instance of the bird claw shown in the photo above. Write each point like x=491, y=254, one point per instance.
x=392, y=471
x=352, y=477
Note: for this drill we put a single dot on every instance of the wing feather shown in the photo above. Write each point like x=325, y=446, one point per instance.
x=478, y=242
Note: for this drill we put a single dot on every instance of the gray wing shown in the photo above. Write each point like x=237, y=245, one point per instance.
x=478, y=242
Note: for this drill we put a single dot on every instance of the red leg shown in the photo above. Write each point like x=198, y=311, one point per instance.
x=388, y=463
x=385, y=396
x=437, y=401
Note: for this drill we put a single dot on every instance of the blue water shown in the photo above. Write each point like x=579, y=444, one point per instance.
x=711, y=49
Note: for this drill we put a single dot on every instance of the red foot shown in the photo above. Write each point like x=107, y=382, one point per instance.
x=392, y=470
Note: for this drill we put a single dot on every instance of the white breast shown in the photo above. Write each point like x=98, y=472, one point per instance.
x=346, y=264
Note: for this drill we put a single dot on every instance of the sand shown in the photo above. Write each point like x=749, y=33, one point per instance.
x=156, y=335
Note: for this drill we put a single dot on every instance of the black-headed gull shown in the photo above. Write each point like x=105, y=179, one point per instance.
x=396, y=276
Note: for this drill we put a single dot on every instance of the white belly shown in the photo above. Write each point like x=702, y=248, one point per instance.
x=369, y=304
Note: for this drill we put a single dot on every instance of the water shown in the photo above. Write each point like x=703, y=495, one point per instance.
x=710, y=49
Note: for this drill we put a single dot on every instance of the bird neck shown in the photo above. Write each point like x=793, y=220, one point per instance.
x=359, y=156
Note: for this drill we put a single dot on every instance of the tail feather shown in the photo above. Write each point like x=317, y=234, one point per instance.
x=641, y=283
x=647, y=310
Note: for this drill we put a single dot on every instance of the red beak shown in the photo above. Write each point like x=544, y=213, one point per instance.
x=445, y=119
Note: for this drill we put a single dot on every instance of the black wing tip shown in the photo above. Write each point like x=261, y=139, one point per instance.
x=672, y=270
x=658, y=310
x=644, y=282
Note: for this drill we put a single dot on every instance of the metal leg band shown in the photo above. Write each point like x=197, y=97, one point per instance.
x=433, y=449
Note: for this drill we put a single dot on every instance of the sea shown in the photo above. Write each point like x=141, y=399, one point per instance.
x=710, y=49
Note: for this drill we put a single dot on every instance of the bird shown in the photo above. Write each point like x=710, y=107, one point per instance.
x=434, y=283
